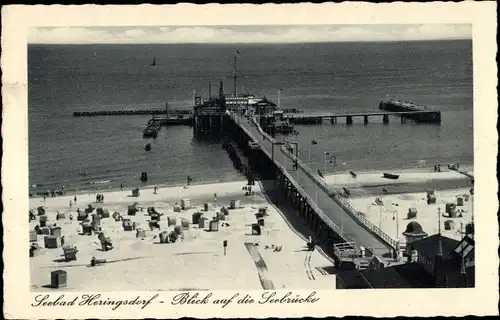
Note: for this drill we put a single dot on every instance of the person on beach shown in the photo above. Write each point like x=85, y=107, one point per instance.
x=154, y=190
x=44, y=197
x=75, y=199
x=121, y=186
x=70, y=203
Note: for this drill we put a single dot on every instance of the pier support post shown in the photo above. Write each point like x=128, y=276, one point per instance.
x=349, y=119
x=221, y=125
x=307, y=213
x=365, y=119
x=316, y=223
x=385, y=119
x=301, y=206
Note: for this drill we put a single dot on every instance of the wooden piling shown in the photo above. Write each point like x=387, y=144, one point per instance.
x=385, y=118
x=349, y=119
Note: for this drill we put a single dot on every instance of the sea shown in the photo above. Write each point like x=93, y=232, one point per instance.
x=104, y=152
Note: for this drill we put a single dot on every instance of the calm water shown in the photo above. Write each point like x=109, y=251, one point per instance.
x=314, y=77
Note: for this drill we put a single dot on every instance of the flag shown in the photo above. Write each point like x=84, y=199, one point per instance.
x=314, y=142
x=319, y=173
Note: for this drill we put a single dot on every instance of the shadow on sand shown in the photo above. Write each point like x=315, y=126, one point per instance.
x=271, y=192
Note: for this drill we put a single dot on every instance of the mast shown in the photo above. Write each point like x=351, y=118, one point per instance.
x=221, y=89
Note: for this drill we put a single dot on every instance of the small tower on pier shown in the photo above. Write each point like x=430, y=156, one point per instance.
x=221, y=89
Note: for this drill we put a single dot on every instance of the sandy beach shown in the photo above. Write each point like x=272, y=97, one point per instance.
x=406, y=176
x=409, y=191
x=196, y=261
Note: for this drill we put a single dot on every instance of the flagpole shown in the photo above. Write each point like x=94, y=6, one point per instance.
x=342, y=223
x=234, y=74
x=324, y=160
x=380, y=214
x=281, y=148
x=297, y=161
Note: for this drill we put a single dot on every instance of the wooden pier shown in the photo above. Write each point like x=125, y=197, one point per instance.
x=416, y=112
x=132, y=112
x=180, y=120
x=333, y=118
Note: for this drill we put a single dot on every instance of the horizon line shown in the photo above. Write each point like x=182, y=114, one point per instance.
x=250, y=43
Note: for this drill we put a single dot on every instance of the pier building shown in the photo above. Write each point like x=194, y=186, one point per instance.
x=412, y=111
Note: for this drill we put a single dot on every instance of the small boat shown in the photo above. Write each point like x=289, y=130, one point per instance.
x=151, y=131
x=391, y=176
x=148, y=147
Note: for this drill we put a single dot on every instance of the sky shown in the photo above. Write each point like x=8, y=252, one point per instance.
x=248, y=34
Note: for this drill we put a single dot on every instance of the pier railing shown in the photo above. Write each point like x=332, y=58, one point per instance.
x=295, y=184
x=343, y=203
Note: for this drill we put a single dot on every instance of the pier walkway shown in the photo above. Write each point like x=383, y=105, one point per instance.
x=418, y=116
x=350, y=228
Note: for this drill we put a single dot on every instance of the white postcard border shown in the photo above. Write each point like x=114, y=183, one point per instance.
x=482, y=299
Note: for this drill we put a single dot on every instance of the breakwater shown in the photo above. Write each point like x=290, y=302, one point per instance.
x=131, y=112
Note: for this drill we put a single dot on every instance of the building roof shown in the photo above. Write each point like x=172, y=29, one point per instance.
x=429, y=246
x=265, y=102
x=414, y=229
x=409, y=275
x=415, y=275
